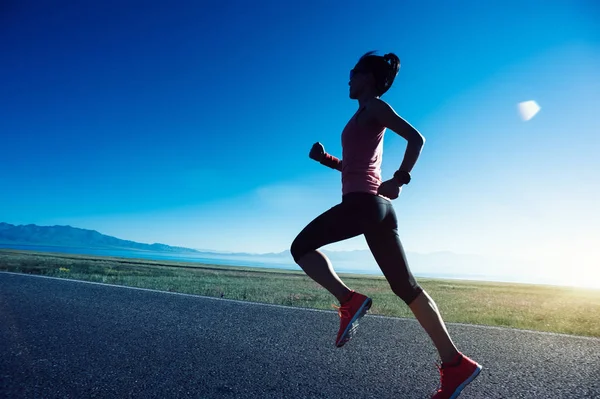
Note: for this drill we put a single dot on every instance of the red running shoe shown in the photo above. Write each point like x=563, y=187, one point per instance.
x=456, y=377
x=350, y=312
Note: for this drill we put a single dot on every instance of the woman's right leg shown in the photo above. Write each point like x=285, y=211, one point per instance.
x=336, y=224
x=388, y=251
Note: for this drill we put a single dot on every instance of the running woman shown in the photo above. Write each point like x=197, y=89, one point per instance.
x=366, y=208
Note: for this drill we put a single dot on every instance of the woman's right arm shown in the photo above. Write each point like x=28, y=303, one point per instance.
x=317, y=152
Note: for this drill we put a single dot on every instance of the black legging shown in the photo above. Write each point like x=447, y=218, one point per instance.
x=373, y=216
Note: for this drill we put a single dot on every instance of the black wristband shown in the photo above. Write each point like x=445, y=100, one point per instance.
x=401, y=177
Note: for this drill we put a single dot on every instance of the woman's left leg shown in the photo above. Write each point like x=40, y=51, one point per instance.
x=333, y=225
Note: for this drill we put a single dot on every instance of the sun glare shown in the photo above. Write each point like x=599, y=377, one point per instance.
x=528, y=109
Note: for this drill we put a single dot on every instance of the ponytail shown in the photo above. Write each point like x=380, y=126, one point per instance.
x=393, y=67
x=384, y=69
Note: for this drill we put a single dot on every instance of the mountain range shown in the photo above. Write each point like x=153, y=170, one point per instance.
x=441, y=262
x=67, y=236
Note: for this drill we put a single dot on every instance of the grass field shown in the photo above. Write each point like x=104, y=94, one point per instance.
x=534, y=307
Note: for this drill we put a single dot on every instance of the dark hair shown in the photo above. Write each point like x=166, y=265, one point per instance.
x=384, y=69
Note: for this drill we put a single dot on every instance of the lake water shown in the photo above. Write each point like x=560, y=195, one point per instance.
x=264, y=262
x=217, y=259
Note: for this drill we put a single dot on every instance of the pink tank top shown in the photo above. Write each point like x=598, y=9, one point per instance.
x=362, y=151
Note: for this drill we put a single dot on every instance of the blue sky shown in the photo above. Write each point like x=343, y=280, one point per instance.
x=189, y=124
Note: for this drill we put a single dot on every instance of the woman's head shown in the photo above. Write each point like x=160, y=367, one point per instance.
x=373, y=74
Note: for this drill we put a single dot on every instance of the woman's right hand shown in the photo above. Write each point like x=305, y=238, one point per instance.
x=317, y=152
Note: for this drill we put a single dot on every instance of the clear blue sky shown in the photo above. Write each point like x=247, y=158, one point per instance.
x=189, y=124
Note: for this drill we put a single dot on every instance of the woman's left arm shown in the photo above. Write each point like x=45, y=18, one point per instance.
x=386, y=116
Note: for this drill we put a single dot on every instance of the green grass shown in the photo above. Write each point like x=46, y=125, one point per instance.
x=534, y=307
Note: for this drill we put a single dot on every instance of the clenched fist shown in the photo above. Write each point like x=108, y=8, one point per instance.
x=389, y=189
x=317, y=152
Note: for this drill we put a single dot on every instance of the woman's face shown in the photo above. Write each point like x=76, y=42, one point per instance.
x=360, y=79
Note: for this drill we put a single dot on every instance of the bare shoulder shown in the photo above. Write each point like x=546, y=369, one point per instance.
x=380, y=108
x=383, y=113
x=374, y=111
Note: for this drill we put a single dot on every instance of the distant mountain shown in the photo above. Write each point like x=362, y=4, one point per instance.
x=439, y=263
x=68, y=236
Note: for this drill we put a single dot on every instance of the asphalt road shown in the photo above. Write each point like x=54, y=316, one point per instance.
x=68, y=339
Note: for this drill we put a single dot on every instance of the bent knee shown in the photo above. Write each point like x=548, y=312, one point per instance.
x=407, y=291
x=299, y=248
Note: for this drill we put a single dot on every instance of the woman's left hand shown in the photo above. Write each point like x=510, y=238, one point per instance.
x=389, y=189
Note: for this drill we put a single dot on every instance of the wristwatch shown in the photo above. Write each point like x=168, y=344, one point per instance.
x=401, y=177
